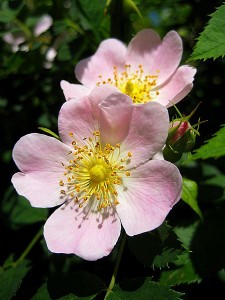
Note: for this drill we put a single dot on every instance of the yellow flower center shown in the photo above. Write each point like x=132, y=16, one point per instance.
x=139, y=86
x=93, y=172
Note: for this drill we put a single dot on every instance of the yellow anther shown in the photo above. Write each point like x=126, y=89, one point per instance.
x=61, y=183
x=96, y=133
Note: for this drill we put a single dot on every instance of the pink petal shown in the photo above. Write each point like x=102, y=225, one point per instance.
x=80, y=116
x=110, y=53
x=88, y=235
x=39, y=159
x=148, y=132
x=76, y=117
x=99, y=94
x=146, y=49
x=115, y=117
x=179, y=85
x=74, y=91
x=142, y=48
x=148, y=195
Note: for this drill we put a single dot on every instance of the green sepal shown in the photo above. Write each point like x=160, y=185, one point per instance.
x=49, y=132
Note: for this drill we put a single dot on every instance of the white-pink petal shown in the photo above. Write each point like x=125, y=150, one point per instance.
x=110, y=53
x=80, y=116
x=88, y=235
x=168, y=56
x=76, y=117
x=177, y=87
x=74, y=91
x=142, y=49
x=148, y=195
x=115, y=118
x=148, y=132
x=155, y=55
x=40, y=160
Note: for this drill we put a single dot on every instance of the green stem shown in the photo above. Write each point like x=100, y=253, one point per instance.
x=30, y=246
x=113, y=279
x=23, y=27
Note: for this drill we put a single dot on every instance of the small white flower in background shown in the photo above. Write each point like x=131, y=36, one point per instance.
x=43, y=25
x=50, y=56
x=16, y=39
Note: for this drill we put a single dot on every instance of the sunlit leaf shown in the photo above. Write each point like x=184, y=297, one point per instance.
x=214, y=148
x=211, y=43
x=190, y=193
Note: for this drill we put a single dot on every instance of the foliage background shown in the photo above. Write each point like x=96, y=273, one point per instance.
x=190, y=257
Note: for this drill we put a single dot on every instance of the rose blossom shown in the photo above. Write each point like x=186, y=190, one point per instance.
x=100, y=172
x=146, y=70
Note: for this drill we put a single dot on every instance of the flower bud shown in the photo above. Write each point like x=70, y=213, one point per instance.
x=181, y=138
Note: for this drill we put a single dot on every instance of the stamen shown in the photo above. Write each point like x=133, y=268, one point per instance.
x=94, y=172
x=137, y=84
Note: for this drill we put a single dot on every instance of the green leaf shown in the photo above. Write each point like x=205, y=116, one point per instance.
x=183, y=271
x=185, y=234
x=214, y=148
x=184, y=274
x=11, y=279
x=6, y=14
x=211, y=43
x=64, y=53
x=18, y=211
x=190, y=193
x=144, y=289
x=42, y=293
x=157, y=248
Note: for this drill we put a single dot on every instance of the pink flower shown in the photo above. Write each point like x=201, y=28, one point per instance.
x=146, y=70
x=101, y=172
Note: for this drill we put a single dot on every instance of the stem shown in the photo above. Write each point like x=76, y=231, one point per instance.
x=113, y=279
x=30, y=246
x=23, y=27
